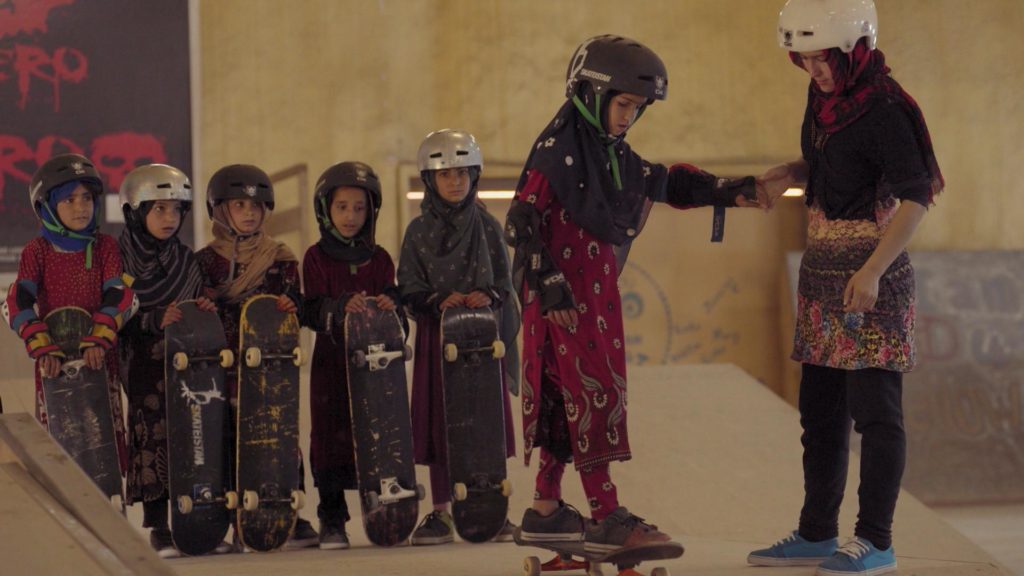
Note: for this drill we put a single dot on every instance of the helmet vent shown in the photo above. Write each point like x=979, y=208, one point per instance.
x=462, y=153
x=435, y=155
x=164, y=185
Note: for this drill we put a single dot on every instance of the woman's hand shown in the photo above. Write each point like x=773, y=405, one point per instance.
x=861, y=292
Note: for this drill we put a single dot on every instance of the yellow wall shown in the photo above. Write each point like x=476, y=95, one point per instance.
x=317, y=82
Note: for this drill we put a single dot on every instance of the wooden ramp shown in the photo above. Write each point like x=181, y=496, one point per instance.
x=55, y=520
x=716, y=465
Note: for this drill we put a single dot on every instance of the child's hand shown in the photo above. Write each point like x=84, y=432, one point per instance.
x=205, y=304
x=171, y=315
x=49, y=366
x=285, y=304
x=477, y=299
x=357, y=303
x=453, y=300
x=93, y=357
x=386, y=303
x=564, y=318
x=773, y=184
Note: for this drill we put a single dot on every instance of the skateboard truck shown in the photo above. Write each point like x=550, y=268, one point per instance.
x=392, y=491
x=481, y=483
x=378, y=358
x=452, y=350
x=270, y=494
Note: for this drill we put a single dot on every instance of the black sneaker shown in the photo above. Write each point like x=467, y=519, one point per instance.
x=507, y=532
x=563, y=525
x=619, y=530
x=436, y=528
x=333, y=537
x=160, y=540
x=303, y=536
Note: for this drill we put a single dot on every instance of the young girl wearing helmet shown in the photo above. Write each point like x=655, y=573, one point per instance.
x=452, y=255
x=582, y=199
x=871, y=173
x=339, y=272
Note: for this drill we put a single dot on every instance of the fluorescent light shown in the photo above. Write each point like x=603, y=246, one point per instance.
x=794, y=192
x=482, y=194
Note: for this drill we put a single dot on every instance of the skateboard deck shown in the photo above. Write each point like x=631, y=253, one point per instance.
x=268, y=424
x=195, y=357
x=572, y=556
x=78, y=404
x=475, y=422
x=376, y=353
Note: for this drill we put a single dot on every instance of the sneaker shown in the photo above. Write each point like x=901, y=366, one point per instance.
x=506, y=533
x=858, y=556
x=224, y=547
x=436, y=528
x=620, y=529
x=160, y=540
x=303, y=536
x=794, y=550
x=333, y=536
x=563, y=525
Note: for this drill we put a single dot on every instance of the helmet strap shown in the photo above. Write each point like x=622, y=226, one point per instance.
x=57, y=227
x=594, y=118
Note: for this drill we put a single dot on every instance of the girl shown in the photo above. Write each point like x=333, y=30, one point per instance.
x=871, y=173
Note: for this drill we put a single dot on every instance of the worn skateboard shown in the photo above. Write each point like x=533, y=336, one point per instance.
x=195, y=357
x=268, y=424
x=475, y=422
x=78, y=405
x=572, y=556
x=376, y=353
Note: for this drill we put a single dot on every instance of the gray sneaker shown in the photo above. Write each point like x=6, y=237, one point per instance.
x=333, y=537
x=620, y=529
x=563, y=525
x=303, y=536
x=507, y=532
x=160, y=540
x=436, y=528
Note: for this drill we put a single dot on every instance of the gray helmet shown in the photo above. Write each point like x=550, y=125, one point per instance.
x=614, y=63
x=449, y=149
x=155, y=182
x=239, y=181
x=62, y=169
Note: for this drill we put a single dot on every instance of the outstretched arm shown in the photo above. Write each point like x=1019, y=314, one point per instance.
x=773, y=184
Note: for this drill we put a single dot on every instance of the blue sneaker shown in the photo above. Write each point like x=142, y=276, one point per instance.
x=794, y=551
x=858, y=556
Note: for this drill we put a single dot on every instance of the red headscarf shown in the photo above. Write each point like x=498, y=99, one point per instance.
x=861, y=79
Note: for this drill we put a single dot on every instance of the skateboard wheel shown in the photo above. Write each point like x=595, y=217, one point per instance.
x=227, y=358
x=531, y=566
x=499, y=349
x=250, y=500
x=231, y=500
x=451, y=352
x=184, y=504
x=372, y=500
x=506, y=487
x=420, y=492
x=253, y=357
x=297, y=357
x=298, y=499
x=460, y=492
x=180, y=361
x=359, y=358
x=659, y=571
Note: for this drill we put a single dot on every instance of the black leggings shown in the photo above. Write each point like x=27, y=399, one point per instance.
x=829, y=398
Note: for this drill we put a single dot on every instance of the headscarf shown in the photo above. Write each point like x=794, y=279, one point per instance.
x=862, y=79
x=460, y=247
x=164, y=271
x=598, y=179
x=57, y=232
x=357, y=249
x=257, y=252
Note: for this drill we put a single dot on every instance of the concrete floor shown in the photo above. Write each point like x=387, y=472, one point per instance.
x=717, y=465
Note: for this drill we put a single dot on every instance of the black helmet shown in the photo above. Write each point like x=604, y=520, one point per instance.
x=59, y=170
x=614, y=63
x=356, y=174
x=239, y=181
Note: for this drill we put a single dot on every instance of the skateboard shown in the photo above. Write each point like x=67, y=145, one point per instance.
x=572, y=556
x=475, y=422
x=78, y=405
x=376, y=353
x=268, y=424
x=195, y=357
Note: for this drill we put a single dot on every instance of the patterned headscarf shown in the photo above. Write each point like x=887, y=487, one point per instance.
x=165, y=271
x=862, y=79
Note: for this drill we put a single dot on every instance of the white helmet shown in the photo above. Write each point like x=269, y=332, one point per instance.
x=448, y=149
x=810, y=25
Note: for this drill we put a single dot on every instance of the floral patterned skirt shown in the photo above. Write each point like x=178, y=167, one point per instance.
x=825, y=334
